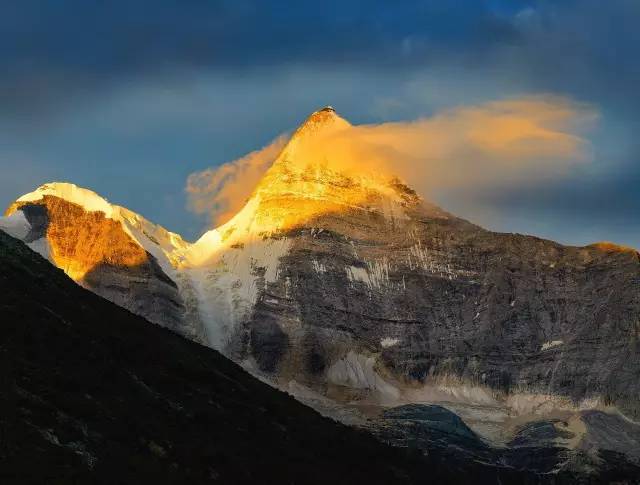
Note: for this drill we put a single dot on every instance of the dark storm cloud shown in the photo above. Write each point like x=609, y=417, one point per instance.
x=53, y=51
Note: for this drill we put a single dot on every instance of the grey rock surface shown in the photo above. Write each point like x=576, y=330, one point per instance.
x=509, y=312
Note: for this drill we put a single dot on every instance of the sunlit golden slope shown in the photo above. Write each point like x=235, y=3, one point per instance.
x=304, y=183
x=84, y=230
x=79, y=240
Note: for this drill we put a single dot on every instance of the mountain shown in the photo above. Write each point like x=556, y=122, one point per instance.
x=94, y=394
x=106, y=248
x=347, y=289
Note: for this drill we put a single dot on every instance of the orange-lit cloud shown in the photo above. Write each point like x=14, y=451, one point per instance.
x=497, y=144
x=221, y=191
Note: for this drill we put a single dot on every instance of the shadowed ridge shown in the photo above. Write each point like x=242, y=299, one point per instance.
x=93, y=393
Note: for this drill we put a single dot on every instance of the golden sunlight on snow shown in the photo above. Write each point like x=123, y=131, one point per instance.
x=80, y=240
x=507, y=142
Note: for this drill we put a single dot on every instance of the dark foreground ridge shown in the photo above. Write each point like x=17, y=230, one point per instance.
x=91, y=393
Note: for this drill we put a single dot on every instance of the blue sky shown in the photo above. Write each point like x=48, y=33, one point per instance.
x=128, y=98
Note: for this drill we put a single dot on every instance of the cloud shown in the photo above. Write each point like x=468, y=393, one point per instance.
x=498, y=145
x=513, y=141
x=51, y=58
x=221, y=191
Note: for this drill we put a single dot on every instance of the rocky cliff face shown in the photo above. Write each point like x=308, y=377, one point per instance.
x=437, y=299
x=350, y=287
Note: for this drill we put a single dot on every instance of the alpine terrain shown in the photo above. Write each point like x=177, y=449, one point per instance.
x=374, y=306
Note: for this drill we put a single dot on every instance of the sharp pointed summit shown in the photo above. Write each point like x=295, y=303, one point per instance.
x=321, y=121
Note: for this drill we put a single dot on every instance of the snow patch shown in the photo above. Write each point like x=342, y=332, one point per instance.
x=355, y=273
x=357, y=372
x=389, y=342
x=322, y=404
x=227, y=287
x=41, y=246
x=87, y=199
x=433, y=262
x=319, y=267
x=228, y=268
x=551, y=344
x=16, y=225
x=374, y=275
x=155, y=239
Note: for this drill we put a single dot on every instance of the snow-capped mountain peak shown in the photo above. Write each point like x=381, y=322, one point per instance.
x=85, y=198
x=150, y=236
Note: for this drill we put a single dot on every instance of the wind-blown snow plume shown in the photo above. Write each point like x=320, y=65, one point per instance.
x=221, y=191
x=502, y=143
